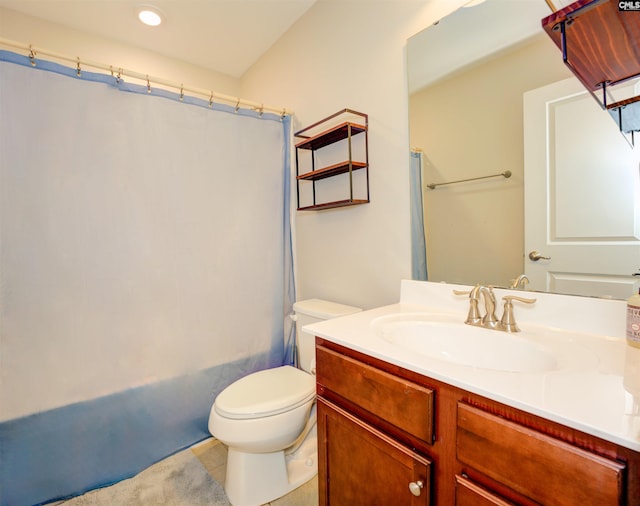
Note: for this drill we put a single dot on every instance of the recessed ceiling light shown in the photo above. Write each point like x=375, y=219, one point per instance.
x=149, y=16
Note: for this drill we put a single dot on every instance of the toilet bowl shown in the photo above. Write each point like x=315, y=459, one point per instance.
x=267, y=420
x=265, y=411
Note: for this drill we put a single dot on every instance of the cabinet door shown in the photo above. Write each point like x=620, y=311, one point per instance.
x=472, y=494
x=359, y=465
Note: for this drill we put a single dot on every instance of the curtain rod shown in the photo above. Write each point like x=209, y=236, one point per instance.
x=506, y=174
x=210, y=94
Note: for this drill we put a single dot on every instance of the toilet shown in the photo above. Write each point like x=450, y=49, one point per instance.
x=268, y=420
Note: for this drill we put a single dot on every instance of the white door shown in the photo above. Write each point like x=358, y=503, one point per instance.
x=582, y=196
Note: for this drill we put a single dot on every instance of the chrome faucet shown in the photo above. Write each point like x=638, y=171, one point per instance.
x=507, y=323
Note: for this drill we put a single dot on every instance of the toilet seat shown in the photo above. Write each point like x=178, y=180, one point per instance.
x=266, y=393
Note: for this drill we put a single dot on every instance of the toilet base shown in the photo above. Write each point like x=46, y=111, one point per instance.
x=257, y=478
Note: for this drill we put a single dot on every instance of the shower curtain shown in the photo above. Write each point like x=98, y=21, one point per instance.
x=145, y=264
x=418, y=245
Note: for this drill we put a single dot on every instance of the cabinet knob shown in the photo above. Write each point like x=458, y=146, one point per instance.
x=416, y=487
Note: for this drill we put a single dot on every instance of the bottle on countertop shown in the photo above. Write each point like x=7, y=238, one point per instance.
x=633, y=320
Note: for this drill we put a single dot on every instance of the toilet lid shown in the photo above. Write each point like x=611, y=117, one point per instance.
x=266, y=393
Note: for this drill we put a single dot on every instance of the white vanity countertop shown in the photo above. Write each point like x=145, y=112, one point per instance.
x=595, y=388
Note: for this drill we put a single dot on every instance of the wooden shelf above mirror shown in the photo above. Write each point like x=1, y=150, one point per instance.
x=600, y=43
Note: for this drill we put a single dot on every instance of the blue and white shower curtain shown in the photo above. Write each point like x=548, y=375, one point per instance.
x=418, y=244
x=145, y=264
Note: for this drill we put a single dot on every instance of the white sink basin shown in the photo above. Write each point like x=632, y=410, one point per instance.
x=442, y=337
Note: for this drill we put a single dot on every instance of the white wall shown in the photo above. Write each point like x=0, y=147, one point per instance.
x=351, y=53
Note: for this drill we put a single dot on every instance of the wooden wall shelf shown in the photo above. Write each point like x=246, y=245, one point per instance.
x=332, y=170
x=330, y=134
x=335, y=134
x=601, y=45
x=334, y=204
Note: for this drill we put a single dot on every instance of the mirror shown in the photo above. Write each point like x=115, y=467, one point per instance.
x=467, y=77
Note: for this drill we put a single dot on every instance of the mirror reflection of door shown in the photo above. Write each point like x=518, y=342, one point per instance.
x=582, y=196
x=467, y=77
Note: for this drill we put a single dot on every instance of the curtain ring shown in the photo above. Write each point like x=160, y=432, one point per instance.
x=237, y=105
x=119, y=76
x=284, y=113
x=211, y=100
x=148, y=85
x=261, y=110
x=78, y=71
x=32, y=56
x=181, y=92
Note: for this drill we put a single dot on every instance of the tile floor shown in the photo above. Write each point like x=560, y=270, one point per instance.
x=213, y=455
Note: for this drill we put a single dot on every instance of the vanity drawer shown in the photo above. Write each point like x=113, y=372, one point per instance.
x=469, y=493
x=397, y=401
x=537, y=466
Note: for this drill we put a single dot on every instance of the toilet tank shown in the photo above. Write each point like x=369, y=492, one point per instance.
x=312, y=311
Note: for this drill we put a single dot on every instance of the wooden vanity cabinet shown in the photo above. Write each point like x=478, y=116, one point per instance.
x=382, y=428
x=367, y=422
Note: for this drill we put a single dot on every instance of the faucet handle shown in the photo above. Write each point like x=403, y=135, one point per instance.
x=508, y=321
x=473, y=317
x=473, y=293
x=508, y=298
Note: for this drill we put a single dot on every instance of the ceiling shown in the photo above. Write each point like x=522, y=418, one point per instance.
x=227, y=36
x=472, y=34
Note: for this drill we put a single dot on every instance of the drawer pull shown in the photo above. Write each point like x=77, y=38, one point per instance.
x=416, y=487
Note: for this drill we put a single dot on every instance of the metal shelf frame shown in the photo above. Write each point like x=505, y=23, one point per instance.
x=331, y=134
